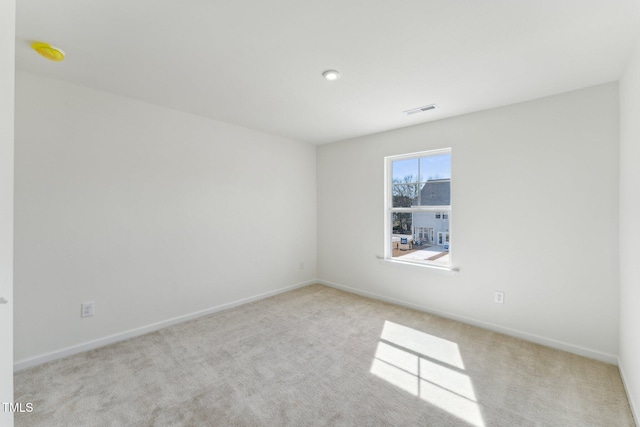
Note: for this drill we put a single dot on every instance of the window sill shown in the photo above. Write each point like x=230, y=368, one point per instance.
x=442, y=269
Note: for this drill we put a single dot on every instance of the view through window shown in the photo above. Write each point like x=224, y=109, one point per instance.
x=418, y=207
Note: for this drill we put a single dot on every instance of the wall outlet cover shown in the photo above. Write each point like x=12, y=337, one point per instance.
x=87, y=309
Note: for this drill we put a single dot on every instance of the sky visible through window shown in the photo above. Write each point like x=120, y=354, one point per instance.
x=431, y=167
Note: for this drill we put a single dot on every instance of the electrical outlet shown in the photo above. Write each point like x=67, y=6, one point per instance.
x=498, y=297
x=87, y=309
x=301, y=265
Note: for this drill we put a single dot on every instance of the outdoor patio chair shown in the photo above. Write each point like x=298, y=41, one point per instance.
x=404, y=244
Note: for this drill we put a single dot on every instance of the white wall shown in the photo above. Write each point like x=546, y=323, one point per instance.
x=630, y=230
x=150, y=212
x=7, y=61
x=535, y=214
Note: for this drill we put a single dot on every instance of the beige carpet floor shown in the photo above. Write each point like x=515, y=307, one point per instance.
x=317, y=356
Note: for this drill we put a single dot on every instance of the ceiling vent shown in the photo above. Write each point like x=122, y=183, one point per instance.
x=420, y=109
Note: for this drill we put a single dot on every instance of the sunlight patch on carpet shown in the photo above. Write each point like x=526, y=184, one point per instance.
x=428, y=345
x=428, y=367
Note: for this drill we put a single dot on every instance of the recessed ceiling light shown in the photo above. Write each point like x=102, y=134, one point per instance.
x=45, y=50
x=331, y=75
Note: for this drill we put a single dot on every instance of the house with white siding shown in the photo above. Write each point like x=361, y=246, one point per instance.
x=432, y=227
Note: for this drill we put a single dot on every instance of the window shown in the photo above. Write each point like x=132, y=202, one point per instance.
x=418, y=207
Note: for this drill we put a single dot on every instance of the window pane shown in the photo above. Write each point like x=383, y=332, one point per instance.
x=435, y=167
x=436, y=192
x=418, y=237
x=405, y=195
x=404, y=170
x=401, y=223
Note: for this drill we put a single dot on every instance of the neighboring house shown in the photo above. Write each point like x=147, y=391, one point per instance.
x=433, y=227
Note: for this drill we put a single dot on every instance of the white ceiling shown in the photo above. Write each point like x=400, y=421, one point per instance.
x=258, y=63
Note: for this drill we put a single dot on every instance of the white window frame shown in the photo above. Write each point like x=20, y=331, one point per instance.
x=389, y=209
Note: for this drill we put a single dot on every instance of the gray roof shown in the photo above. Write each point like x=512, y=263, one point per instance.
x=436, y=192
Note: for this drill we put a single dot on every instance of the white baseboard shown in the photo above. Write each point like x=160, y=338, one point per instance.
x=630, y=396
x=93, y=344
x=101, y=342
x=586, y=352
